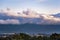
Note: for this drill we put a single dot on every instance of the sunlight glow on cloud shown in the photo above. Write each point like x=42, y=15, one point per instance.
x=47, y=19
x=27, y=13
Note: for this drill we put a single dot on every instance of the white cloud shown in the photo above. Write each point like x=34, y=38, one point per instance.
x=9, y=21
x=30, y=13
x=47, y=19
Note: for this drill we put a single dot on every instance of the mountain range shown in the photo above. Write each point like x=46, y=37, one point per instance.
x=29, y=28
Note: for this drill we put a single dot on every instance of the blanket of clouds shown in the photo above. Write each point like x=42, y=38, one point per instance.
x=8, y=16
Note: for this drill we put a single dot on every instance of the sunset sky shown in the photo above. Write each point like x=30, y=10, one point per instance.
x=42, y=6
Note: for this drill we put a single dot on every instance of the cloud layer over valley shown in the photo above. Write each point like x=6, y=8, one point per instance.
x=27, y=16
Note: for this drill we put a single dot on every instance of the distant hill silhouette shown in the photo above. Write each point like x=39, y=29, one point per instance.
x=29, y=28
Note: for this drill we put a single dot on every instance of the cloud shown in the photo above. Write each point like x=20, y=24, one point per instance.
x=9, y=12
x=9, y=21
x=48, y=19
x=29, y=16
x=31, y=13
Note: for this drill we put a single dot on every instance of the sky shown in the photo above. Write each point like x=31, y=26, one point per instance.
x=13, y=15
x=41, y=6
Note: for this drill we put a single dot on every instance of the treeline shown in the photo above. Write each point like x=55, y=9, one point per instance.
x=23, y=36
